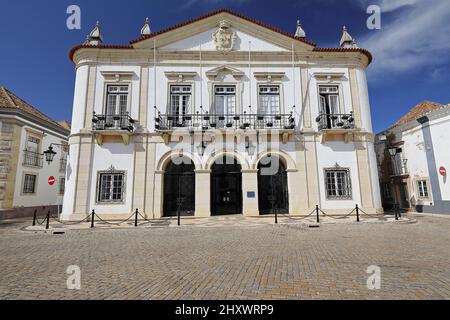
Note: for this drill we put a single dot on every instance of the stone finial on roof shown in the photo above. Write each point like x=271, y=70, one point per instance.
x=347, y=41
x=300, y=33
x=95, y=37
x=146, y=28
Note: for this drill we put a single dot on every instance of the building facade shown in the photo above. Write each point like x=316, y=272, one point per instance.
x=220, y=115
x=414, y=173
x=25, y=133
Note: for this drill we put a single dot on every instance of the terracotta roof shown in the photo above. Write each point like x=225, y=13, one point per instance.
x=419, y=111
x=142, y=38
x=287, y=34
x=100, y=46
x=65, y=124
x=9, y=101
x=361, y=50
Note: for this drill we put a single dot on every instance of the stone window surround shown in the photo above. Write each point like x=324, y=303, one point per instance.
x=36, y=183
x=97, y=192
x=416, y=188
x=338, y=198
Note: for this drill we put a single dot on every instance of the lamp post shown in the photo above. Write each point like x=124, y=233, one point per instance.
x=393, y=154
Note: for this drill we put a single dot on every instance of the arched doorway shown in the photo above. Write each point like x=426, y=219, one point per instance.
x=273, y=193
x=179, y=188
x=226, y=187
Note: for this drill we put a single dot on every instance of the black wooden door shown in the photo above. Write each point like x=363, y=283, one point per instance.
x=226, y=189
x=179, y=190
x=273, y=191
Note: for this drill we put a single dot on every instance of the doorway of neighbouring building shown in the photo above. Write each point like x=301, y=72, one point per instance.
x=404, y=197
x=179, y=188
x=226, y=187
x=273, y=192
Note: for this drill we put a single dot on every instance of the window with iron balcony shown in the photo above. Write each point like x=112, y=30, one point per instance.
x=224, y=115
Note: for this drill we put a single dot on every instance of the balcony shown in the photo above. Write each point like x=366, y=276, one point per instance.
x=335, y=121
x=222, y=122
x=121, y=125
x=400, y=167
x=32, y=159
x=62, y=165
x=335, y=126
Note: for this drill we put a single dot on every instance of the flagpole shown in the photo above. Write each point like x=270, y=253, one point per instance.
x=293, y=75
x=250, y=73
x=154, y=74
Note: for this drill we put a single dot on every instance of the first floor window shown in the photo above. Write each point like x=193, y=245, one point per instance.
x=269, y=100
x=29, y=184
x=225, y=100
x=338, y=184
x=111, y=187
x=62, y=185
x=423, y=188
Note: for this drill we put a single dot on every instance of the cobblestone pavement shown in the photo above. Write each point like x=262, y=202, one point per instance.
x=258, y=262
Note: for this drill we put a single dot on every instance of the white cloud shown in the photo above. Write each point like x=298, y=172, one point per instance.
x=417, y=38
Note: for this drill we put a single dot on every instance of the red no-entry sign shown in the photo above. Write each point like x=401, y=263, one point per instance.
x=443, y=171
x=51, y=181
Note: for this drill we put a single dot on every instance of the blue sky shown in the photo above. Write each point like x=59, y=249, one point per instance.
x=411, y=51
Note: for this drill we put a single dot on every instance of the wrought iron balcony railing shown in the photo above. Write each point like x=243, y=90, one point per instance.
x=113, y=122
x=336, y=121
x=32, y=159
x=211, y=121
x=62, y=165
x=400, y=167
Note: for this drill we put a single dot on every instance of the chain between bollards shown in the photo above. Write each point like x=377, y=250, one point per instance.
x=357, y=213
x=48, y=221
x=317, y=214
x=93, y=219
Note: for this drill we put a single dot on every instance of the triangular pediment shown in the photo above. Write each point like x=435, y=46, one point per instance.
x=217, y=31
x=225, y=69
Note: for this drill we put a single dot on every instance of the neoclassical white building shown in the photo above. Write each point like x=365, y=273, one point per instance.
x=220, y=115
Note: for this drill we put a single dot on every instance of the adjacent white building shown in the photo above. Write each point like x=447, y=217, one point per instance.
x=415, y=175
x=25, y=133
x=190, y=119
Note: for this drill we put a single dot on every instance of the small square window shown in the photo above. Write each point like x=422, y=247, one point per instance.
x=111, y=187
x=29, y=184
x=422, y=188
x=338, y=184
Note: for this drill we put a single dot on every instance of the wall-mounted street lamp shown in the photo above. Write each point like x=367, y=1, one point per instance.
x=50, y=153
x=392, y=151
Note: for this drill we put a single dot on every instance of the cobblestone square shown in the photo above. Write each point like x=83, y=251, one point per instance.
x=246, y=262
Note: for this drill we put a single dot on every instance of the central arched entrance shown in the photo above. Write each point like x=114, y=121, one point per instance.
x=273, y=191
x=226, y=187
x=179, y=188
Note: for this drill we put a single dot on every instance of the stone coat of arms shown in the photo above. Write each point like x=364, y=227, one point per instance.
x=224, y=37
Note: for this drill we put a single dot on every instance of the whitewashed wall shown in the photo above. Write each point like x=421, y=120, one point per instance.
x=45, y=194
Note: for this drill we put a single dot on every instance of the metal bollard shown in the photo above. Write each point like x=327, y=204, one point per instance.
x=317, y=213
x=136, y=218
x=48, y=221
x=93, y=219
x=357, y=213
x=395, y=212
x=34, y=217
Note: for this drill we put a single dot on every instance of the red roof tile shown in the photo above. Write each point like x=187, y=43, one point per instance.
x=419, y=111
x=9, y=100
x=142, y=38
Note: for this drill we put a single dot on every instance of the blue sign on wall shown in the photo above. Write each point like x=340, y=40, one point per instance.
x=251, y=195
